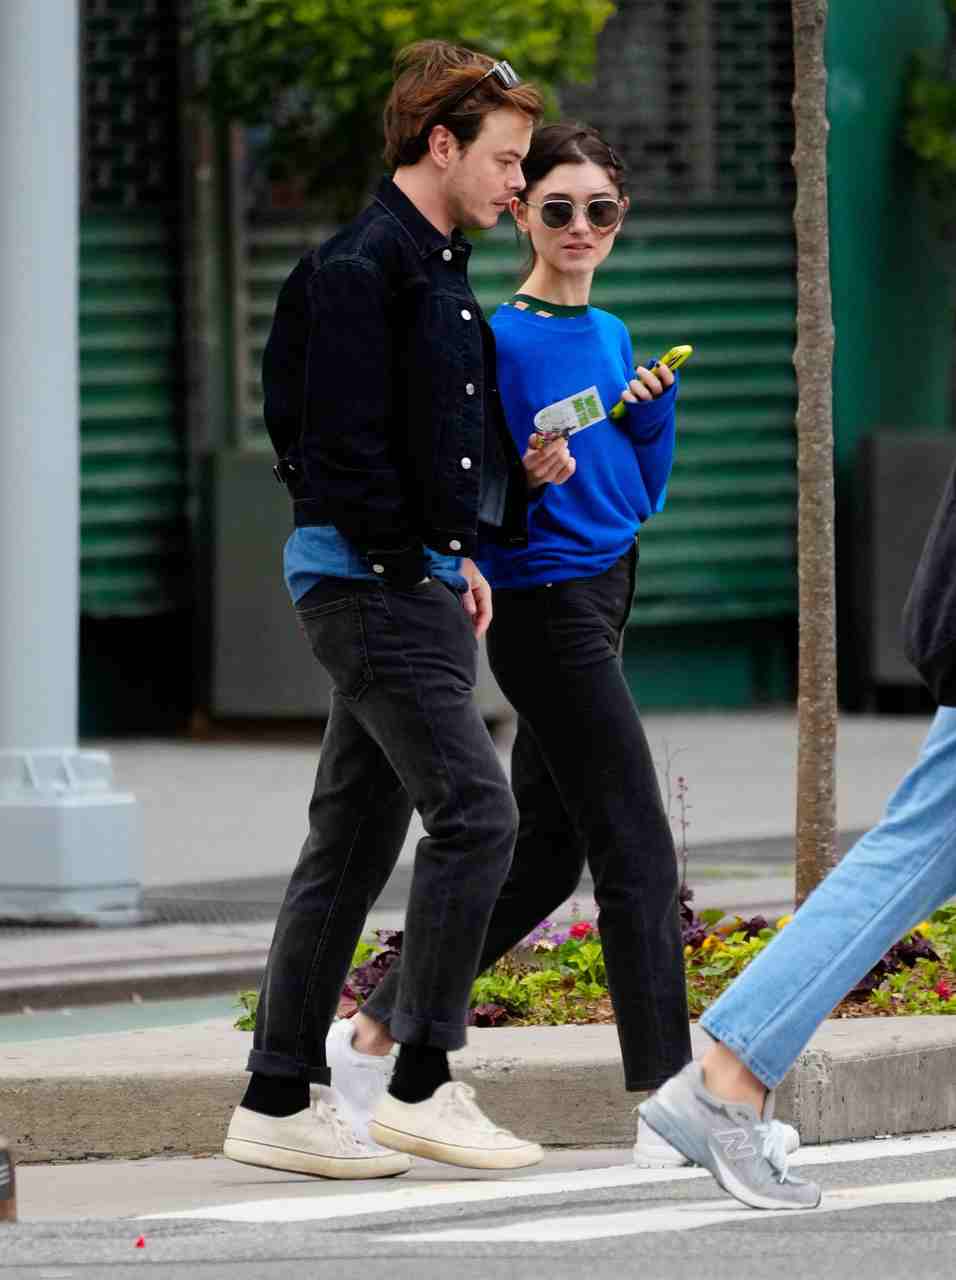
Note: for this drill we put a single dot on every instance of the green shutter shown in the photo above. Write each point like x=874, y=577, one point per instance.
x=133, y=538
x=133, y=494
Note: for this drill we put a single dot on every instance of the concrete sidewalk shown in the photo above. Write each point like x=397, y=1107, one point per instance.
x=222, y=810
x=170, y=1091
x=223, y=822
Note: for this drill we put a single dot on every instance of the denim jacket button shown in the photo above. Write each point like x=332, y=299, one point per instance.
x=378, y=568
x=469, y=388
x=446, y=254
x=455, y=545
x=465, y=314
x=466, y=464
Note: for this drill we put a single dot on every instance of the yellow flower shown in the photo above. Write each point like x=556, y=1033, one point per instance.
x=784, y=920
x=688, y=951
x=924, y=928
x=710, y=941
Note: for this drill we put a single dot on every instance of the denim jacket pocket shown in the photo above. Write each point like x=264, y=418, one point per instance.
x=336, y=633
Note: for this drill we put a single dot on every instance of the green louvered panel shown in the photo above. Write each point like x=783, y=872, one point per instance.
x=133, y=538
x=721, y=278
x=133, y=544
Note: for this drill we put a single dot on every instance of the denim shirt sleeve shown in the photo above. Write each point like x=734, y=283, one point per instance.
x=346, y=446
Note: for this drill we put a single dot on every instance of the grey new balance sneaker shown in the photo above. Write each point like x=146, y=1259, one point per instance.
x=651, y=1151
x=743, y=1150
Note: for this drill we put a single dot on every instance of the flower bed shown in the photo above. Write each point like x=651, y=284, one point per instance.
x=557, y=976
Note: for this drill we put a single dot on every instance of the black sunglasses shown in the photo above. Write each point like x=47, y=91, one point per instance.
x=502, y=71
x=602, y=212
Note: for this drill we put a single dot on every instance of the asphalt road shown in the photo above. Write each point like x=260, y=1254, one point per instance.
x=889, y=1208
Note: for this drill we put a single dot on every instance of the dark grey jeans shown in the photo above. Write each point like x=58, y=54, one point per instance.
x=586, y=788
x=404, y=733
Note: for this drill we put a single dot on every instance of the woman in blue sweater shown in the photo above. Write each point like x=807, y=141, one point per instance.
x=582, y=773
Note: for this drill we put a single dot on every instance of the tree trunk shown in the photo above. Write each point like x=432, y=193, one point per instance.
x=813, y=360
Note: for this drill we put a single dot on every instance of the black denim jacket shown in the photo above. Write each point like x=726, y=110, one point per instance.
x=379, y=389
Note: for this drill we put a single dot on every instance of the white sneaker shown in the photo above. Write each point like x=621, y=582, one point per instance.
x=316, y=1140
x=359, y=1080
x=651, y=1151
x=450, y=1127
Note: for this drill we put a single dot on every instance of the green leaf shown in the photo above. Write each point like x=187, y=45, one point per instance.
x=712, y=915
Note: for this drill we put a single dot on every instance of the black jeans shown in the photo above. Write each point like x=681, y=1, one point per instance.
x=586, y=789
x=404, y=733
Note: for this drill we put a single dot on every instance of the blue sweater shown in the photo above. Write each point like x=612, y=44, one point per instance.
x=579, y=529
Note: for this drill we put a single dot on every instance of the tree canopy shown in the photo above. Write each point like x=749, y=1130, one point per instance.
x=317, y=72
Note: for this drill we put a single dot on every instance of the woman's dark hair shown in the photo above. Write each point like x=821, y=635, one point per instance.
x=565, y=143
x=569, y=143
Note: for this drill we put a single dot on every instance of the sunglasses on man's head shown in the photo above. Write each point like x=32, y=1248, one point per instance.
x=602, y=212
x=502, y=71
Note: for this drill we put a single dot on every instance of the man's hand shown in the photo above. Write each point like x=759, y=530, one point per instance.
x=477, y=599
x=549, y=464
x=649, y=383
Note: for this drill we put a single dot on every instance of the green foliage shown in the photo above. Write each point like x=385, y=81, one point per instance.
x=364, y=951
x=248, y=1001
x=560, y=978
x=318, y=71
x=929, y=125
x=921, y=989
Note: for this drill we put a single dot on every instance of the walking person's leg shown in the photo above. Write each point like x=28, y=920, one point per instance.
x=358, y=819
x=405, y=663
x=894, y=876
x=585, y=784
x=545, y=871
x=419, y=707
x=570, y=688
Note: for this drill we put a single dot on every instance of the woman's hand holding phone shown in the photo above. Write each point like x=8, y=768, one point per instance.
x=649, y=383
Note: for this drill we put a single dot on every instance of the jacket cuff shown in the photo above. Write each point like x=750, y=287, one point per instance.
x=398, y=566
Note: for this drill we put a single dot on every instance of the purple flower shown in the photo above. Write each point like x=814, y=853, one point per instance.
x=538, y=934
x=487, y=1015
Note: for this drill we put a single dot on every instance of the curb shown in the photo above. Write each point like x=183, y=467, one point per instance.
x=161, y=979
x=171, y=1090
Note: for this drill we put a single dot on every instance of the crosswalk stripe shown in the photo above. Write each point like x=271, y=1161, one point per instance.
x=678, y=1217
x=398, y=1198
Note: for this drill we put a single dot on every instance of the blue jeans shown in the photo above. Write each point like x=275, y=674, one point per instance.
x=890, y=880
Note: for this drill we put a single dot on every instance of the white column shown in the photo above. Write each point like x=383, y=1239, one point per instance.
x=68, y=843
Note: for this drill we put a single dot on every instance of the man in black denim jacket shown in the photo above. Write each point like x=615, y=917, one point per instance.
x=381, y=403
x=380, y=394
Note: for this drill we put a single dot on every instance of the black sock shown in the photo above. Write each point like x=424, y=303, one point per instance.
x=276, y=1095
x=419, y=1071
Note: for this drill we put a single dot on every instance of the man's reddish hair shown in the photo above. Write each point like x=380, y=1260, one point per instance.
x=431, y=72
